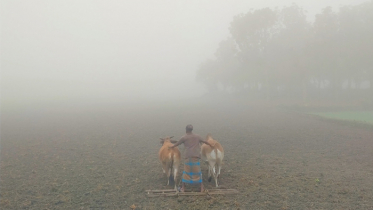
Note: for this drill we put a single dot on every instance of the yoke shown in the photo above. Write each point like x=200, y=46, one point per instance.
x=174, y=193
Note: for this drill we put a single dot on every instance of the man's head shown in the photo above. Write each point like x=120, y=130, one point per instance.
x=189, y=128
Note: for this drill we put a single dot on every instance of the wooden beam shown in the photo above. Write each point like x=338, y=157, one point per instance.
x=171, y=193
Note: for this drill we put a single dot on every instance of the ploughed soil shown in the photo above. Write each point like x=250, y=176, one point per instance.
x=105, y=158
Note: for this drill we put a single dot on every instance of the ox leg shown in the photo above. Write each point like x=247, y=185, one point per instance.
x=209, y=173
x=168, y=175
x=175, y=173
x=219, y=168
x=164, y=167
x=211, y=170
x=208, y=168
x=215, y=176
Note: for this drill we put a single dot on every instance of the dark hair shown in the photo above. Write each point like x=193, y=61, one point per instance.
x=189, y=128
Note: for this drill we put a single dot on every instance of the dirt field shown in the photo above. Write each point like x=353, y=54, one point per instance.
x=107, y=158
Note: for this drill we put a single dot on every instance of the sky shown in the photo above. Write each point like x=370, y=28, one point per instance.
x=89, y=50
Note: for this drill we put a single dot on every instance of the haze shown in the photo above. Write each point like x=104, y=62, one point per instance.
x=88, y=88
x=76, y=51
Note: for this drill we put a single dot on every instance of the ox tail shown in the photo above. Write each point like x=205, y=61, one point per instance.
x=214, y=156
x=171, y=178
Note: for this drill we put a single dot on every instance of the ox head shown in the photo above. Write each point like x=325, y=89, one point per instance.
x=210, y=140
x=168, y=139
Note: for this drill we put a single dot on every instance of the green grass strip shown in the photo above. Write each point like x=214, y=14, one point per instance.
x=366, y=117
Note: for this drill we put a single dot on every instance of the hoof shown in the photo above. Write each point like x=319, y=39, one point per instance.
x=210, y=179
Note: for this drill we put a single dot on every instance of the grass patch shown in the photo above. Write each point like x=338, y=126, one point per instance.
x=361, y=116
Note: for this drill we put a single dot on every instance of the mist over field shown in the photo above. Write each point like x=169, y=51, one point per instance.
x=92, y=52
x=88, y=87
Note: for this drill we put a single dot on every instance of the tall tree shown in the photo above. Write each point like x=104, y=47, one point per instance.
x=228, y=64
x=286, y=50
x=280, y=50
x=252, y=33
x=326, y=53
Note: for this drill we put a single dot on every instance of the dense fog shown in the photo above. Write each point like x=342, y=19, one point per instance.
x=88, y=88
x=72, y=52
x=278, y=53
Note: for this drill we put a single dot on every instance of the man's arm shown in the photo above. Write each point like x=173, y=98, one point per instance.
x=203, y=141
x=177, y=143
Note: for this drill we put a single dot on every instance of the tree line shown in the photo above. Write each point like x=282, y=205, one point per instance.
x=278, y=53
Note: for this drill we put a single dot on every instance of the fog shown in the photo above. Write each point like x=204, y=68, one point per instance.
x=70, y=52
x=88, y=87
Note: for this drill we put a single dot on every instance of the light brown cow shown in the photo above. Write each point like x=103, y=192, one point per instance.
x=170, y=159
x=214, y=156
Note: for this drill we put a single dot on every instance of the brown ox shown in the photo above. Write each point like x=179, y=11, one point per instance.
x=170, y=159
x=214, y=156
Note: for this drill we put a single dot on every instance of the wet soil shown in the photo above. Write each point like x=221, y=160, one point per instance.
x=106, y=158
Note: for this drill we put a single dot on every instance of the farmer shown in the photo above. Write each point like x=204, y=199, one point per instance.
x=192, y=170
